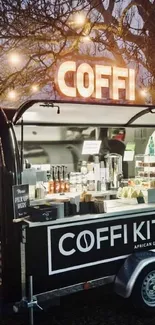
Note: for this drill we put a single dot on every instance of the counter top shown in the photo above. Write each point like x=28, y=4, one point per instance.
x=122, y=211
x=133, y=207
x=70, y=195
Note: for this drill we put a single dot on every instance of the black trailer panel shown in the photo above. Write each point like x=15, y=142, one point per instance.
x=61, y=255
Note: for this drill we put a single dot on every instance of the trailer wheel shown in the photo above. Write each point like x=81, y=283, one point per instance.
x=143, y=295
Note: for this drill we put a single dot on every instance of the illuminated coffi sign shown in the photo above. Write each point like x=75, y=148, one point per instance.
x=88, y=80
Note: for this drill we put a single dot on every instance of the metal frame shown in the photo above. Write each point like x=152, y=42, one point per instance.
x=75, y=288
x=9, y=237
x=22, y=145
x=33, y=301
x=135, y=117
x=97, y=282
x=24, y=107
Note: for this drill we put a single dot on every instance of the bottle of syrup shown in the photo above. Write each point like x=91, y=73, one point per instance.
x=57, y=180
x=62, y=181
x=51, y=182
x=66, y=180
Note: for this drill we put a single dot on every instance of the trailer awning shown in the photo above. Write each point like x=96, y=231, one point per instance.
x=73, y=113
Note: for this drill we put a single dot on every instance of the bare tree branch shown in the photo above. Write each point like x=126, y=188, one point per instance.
x=43, y=32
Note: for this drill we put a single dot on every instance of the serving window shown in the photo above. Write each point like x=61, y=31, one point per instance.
x=98, y=164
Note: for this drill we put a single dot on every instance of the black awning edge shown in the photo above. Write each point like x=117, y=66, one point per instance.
x=135, y=117
x=26, y=105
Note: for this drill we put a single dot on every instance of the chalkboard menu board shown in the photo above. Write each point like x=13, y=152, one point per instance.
x=20, y=200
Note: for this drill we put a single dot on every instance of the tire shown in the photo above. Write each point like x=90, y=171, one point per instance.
x=143, y=294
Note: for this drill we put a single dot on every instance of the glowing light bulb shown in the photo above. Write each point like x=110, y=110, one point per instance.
x=34, y=88
x=143, y=92
x=86, y=39
x=78, y=19
x=14, y=58
x=12, y=94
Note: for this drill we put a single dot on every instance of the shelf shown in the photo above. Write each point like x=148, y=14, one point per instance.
x=145, y=166
x=145, y=170
x=143, y=155
x=145, y=177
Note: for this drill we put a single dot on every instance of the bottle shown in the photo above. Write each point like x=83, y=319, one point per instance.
x=96, y=172
x=61, y=179
x=40, y=190
x=90, y=177
x=63, y=171
x=107, y=174
x=66, y=180
x=51, y=182
x=72, y=182
x=57, y=181
x=103, y=186
x=78, y=182
x=84, y=167
x=59, y=171
x=151, y=146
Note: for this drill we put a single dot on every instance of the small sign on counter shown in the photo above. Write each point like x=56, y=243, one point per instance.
x=129, y=151
x=91, y=147
x=20, y=200
x=128, y=155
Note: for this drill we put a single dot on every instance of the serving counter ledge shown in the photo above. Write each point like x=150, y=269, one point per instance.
x=116, y=212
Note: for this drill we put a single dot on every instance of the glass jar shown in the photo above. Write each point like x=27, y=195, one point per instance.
x=84, y=182
x=79, y=182
x=72, y=182
x=84, y=167
x=91, y=181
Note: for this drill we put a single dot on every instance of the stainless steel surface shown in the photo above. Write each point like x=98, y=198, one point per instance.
x=23, y=261
x=114, y=164
x=31, y=299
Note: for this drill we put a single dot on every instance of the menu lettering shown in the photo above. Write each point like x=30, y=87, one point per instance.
x=20, y=200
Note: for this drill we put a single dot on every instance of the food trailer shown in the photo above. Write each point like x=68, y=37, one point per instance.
x=70, y=240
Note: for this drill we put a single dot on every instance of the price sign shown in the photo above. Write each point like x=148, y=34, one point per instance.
x=91, y=147
x=129, y=151
x=20, y=200
x=128, y=155
x=130, y=146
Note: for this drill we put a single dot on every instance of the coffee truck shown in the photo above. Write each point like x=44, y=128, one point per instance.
x=77, y=239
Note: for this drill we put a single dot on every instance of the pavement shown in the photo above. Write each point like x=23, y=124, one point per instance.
x=93, y=307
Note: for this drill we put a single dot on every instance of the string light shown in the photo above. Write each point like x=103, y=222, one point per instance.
x=86, y=39
x=78, y=19
x=144, y=92
x=12, y=94
x=34, y=88
x=14, y=58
